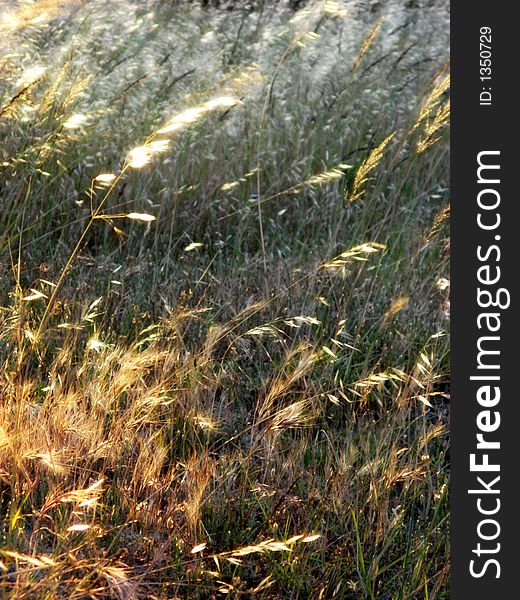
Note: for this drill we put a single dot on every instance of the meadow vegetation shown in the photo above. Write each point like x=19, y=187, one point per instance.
x=224, y=300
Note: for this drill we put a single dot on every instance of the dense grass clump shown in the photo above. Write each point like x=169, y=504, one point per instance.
x=224, y=300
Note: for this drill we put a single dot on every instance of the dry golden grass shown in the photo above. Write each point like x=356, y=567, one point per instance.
x=223, y=328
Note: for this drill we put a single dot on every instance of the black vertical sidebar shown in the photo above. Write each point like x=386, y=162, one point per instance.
x=485, y=398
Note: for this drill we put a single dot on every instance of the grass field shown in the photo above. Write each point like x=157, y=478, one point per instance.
x=224, y=300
